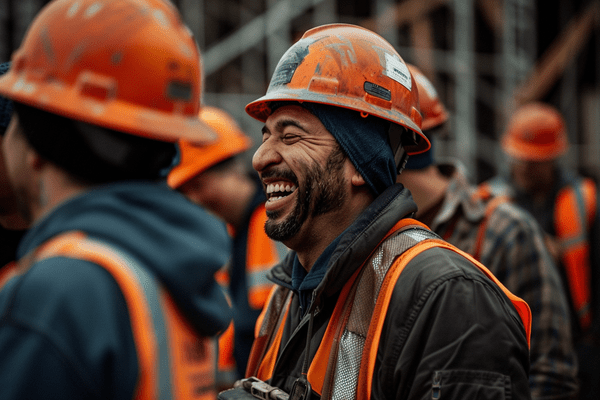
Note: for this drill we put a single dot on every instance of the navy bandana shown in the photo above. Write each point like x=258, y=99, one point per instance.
x=363, y=140
x=423, y=160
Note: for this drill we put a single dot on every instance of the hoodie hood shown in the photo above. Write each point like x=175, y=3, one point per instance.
x=179, y=242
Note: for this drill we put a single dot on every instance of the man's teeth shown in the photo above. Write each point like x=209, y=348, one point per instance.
x=272, y=188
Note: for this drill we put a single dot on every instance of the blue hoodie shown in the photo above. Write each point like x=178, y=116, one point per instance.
x=64, y=325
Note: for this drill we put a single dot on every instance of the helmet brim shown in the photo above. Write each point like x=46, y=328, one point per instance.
x=113, y=114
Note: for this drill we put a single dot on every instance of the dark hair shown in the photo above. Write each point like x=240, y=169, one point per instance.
x=90, y=153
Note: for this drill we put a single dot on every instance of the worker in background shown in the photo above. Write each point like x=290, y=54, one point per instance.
x=217, y=177
x=566, y=207
x=369, y=303
x=505, y=239
x=12, y=225
x=107, y=299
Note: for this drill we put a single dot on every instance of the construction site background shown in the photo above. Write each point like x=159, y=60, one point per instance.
x=484, y=57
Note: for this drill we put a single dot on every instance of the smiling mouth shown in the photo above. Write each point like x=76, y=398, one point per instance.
x=277, y=191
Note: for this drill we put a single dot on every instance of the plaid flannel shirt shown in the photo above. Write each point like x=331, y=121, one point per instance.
x=513, y=250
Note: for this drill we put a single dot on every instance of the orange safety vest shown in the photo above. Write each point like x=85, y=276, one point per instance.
x=262, y=254
x=324, y=372
x=492, y=203
x=574, y=213
x=226, y=371
x=173, y=361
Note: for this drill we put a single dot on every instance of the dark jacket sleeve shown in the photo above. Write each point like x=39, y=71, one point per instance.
x=450, y=333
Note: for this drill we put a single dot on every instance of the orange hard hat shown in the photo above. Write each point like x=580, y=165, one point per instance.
x=433, y=111
x=129, y=65
x=347, y=66
x=195, y=159
x=535, y=132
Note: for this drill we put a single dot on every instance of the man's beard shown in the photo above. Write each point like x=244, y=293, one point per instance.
x=324, y=192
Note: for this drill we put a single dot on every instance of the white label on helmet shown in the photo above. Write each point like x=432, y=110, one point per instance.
x=397, y=70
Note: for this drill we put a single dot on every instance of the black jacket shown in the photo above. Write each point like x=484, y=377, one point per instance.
x=449, y=331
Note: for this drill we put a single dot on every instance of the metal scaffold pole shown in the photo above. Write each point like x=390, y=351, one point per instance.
x=464, y=64
x=519, y=52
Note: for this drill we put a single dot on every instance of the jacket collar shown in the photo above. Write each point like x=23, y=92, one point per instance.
x=459, y=197
x=356, y=243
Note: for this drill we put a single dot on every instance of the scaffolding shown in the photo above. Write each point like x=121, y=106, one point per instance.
x=484, y=56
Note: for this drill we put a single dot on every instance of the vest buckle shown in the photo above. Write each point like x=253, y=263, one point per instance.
x=301, y=389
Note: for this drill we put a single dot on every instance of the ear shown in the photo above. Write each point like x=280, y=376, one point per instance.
x=357, y=179
x=34, y=160
x=351, y=172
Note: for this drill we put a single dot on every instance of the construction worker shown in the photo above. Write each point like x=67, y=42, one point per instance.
x=216, y=177
x=369, y=303
x=113, y=295
x=505, y=239
x=12, y=226
x=566, y=207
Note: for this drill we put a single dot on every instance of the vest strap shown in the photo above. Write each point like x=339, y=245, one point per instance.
x=365, y=379
x=173, y=361
x=268, y=335
x=491, y=206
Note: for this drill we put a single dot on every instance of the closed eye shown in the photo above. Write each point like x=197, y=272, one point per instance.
x=290, y=138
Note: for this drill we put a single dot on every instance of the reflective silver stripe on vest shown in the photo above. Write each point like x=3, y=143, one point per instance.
x=282, y=249
x=151, y=289
x=258, y=278
x=350, y=350
x=581, y=208
x=582, y=237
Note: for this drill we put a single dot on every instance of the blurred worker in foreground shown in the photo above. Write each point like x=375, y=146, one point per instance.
x=12, y=225
x=370, y=303
x=107, y=300
x=505, y=239
x=566, y=207
x=217, y=178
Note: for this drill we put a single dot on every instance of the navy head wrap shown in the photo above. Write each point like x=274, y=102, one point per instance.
x=6, y=106
x=364, y=140
x=422, y=160
x=426, y=159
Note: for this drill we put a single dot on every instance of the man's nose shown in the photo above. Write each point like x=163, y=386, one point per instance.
x=266, y=155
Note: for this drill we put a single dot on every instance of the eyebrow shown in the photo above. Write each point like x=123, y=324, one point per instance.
x=283, y=123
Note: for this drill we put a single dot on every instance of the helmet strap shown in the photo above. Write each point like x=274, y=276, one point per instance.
x=399, y=137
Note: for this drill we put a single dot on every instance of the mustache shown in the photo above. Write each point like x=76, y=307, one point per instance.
x=280, y=173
